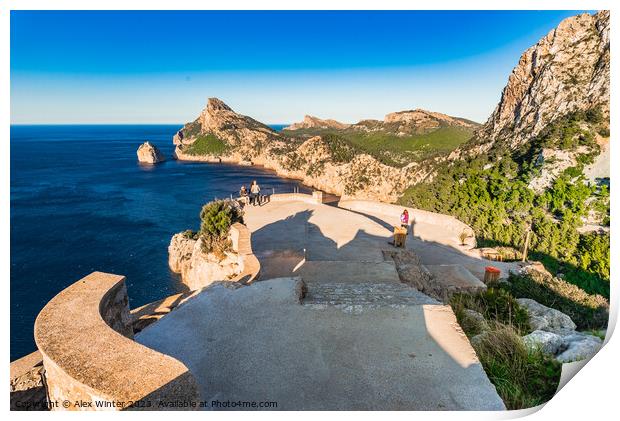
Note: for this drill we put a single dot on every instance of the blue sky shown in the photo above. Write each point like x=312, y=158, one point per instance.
x=160, y=66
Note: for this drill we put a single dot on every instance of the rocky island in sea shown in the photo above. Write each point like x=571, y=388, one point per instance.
x=149, y=154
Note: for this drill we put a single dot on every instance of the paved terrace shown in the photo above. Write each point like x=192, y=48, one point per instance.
x=360, y=339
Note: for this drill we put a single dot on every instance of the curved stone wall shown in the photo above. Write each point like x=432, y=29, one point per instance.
x=84, y=335
x=241, y=243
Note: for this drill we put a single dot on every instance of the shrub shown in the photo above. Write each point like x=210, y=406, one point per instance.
x=494, y=304
x=509, y=253
x=190, y=234
x=216, y=219
x=588, y=311
x=463, y=236
x=490, y=193
x=523, y=378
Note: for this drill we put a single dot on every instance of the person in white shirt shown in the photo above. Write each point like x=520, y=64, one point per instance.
x=255, y=193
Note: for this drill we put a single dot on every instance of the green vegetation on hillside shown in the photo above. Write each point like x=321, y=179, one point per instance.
x=491, y=194
x=523, y=377
x=588, y=311
x=392, y=149
x=206, y=145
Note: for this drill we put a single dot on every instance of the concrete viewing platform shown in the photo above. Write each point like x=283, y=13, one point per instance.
x=330, y=325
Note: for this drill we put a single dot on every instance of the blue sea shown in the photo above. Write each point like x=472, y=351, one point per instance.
x=80, y=202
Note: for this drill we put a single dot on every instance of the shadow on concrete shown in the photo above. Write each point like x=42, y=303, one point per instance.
x=282, y=245
x=258, y=344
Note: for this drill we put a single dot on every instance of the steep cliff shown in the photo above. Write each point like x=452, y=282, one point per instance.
x=566, y=71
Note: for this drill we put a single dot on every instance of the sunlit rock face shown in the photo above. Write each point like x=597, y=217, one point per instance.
x=149, y=154
x=566, y=71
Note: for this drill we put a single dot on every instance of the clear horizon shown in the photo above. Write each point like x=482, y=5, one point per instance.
x=153, y=67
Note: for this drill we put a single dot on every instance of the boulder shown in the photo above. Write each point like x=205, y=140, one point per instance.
x=474, y=320
x=198, y=268
x=180, y=251
x=149, y=154
x=579, y=346
x=545, y=318
x=536, y=270
x=548, y=342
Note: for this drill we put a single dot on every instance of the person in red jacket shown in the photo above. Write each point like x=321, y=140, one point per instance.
x=404, y=219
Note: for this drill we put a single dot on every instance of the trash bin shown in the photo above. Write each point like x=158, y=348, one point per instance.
x=491, y=274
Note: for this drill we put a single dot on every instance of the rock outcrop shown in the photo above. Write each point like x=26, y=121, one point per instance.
x=579, y=346
x=545, y=318
x=548, y=342
x=554, y=334
x=421, y=121
x=566, y=71
x=149, y=154
x=198, y=268
x=310, y=122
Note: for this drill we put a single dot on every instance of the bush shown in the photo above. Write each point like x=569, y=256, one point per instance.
x=588, y=311
x=509, y=253
x=216, y=219
x=523, y=378
x=190, y=234
x=494, y=304
x=463, y=236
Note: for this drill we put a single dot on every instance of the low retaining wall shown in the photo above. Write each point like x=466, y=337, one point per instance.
x=300, y=197
x=84, y=335
x=447, y=222
x=241, y=243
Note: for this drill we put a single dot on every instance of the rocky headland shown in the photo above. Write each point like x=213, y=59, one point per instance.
x=327, y=162
x=199, y=268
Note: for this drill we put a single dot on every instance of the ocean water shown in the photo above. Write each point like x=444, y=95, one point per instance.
x=80, y=202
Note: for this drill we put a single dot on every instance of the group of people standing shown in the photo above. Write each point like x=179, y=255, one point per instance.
x=252, y=196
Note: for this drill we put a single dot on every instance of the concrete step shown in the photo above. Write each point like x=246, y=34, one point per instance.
x=451, y=279
x=347, y=271
x=365, y=294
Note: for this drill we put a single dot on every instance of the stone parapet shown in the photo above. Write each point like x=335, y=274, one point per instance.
x=84, y=335
x=241, y=243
